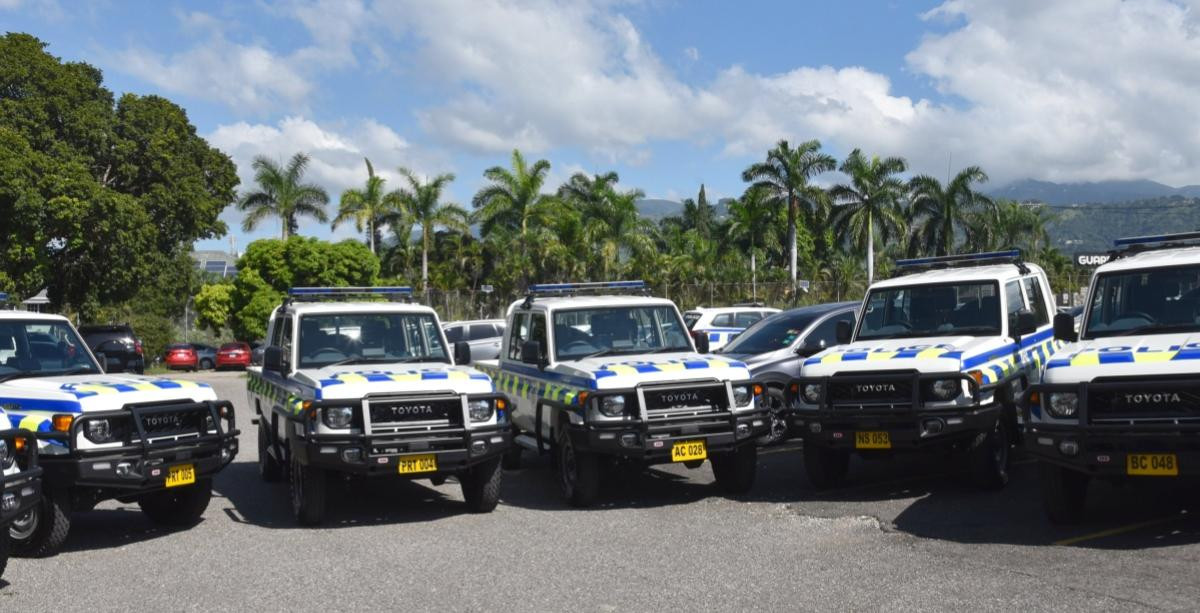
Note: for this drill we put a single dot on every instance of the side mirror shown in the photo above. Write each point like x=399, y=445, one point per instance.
x=701, y=339
x=844, y=331
x=112, y=365
x=462, y=353
x=809, y=348
x=1026, y=323
x=273, y=360
x=1064, y=328
x=531, y=353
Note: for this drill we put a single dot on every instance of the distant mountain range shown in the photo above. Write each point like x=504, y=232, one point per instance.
x=1099, y=192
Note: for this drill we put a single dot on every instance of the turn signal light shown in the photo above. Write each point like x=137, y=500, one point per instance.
x=1034, y=398
x=19, y=443
x=758, y=390
x=795, y=388
x=977, y=375
x=501, y=404
x=62, y=423
x=583, y=396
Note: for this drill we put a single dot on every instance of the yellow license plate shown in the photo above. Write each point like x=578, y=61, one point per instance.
x=872, y=440
x=1152, y=465
x=686, y=451
x=184, y=474
x=425, y=463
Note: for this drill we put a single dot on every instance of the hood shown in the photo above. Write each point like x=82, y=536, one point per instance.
x=354, y=381
x=35, y=396
x=617, y=372
x=1125, y=356
x=935, y=354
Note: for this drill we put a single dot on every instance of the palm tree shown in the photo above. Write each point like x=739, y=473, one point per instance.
x=617, y=230
x=785, y=175
x=941, y=212
x=281, y=194
x=748, y=216
x=368, y=207
x=513, y=200
x=871, y=198
x=421, y=202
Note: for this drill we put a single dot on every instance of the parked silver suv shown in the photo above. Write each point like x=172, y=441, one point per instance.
x=484, y=336
x=775, y=348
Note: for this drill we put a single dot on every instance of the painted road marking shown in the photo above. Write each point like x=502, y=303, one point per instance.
x=1121, y=530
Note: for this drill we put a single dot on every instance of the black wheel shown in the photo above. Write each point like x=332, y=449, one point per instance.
x=481, y=486
x=990, y=456
x=308, y=493
x=779, y=427
x=579, y=472
x=1064, y=494
x=42, y=531
x=826, y=468
x=511, y=460
x=206, y=364
x=178, y=506
x=735, y=470
x=269, y=468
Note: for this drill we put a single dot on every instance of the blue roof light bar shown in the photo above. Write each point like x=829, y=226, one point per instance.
x=565, y=288
x=1159, y=239
x=1013, y=256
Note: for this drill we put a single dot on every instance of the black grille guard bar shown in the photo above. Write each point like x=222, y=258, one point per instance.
x=135, y=414
x=796, y=388
x=1081, y=421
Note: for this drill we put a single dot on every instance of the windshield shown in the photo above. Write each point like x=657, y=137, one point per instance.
x=1145, y=302
x=618, y=330
x=770, y=334
x=366, y=338
x=39, y=348
x=949, y=309
x=690, y=318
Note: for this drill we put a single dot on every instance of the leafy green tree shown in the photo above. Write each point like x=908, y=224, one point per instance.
x=369, y=207
x=748, y=217
x=421, y=202
x=214, y=304
x=939, y=212
x=513, y=203
x=871, y=200
x=785, y=177
x=282, y=193
x=252, y=301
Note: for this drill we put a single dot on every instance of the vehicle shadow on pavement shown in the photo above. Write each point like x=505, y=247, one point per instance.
x=350, y=503
x=109, y=528
x=934, y=497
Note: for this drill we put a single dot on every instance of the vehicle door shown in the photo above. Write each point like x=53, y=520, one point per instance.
x=484, y=341
x=1037, y=295
x=510, y=363
x=824, y=334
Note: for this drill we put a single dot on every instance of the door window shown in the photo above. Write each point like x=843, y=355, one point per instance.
x=520, y=334
x=724, y=320
x=1016, y=302
x=537, y=330
x=1033, y=289
x=454, y=334
x=825, y=334
x=746, y=318
x=479, y=332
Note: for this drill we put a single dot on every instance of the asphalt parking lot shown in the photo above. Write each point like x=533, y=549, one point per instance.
x=904, y=534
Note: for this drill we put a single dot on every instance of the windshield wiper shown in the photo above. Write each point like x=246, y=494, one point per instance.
x=381, y=360
x=45, y=373
x=669, y=350
x=1155, y=328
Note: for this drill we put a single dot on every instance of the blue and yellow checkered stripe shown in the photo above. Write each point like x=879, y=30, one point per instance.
x=86, y=389
x=516, y=385
x=635, y=367
x=409, y=376
x=258, y=385
x=1126, y=355
x=926, y=353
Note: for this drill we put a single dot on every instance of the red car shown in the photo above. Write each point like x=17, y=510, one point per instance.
x=182, y=356
x=233, y=355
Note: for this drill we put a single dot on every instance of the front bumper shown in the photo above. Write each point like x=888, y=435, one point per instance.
x=21, y=491
x=144, y=464
x=380, y=454
x=652, y=442
x=1100, y=445
x=910, y=423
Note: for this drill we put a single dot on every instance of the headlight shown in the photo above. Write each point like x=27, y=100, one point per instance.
x=337, y=418
x=479, y=410
x=99, y=431
x=612, y=406
x=742, y=396
x=946, y=389
x=1063, y=404
x=812, y=393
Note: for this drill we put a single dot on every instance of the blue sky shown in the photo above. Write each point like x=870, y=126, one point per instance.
x=670, y=93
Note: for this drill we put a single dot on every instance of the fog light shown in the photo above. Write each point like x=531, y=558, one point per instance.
x=495, y=440
x=629, y=439
x=479, y=446
x=225, y=455
x=329, y=450
x=123, y=469
x=352, y=455
x=932, y=426
x=1045, y=440
x=815, y=428
x=8, y=503
x=1068, y=448
x=743, y=430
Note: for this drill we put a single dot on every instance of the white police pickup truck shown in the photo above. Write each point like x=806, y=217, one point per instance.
x=937, y=360
x=20, y=477
x=154, y=441
x=1122, y=400
x=370, y=389
x=618, y=376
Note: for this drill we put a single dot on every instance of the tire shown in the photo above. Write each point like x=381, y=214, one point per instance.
x=511, y=460
x=269, y=469
x=1064, y=494
x=778, y=432
x=179, y=506
x=43, y=533
x=735, y=470
x=578, y=471
x=481, y=486
x=826, y=468
x=307, y=489
x=5, y=550
x=206, y=364
x=990, y=457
